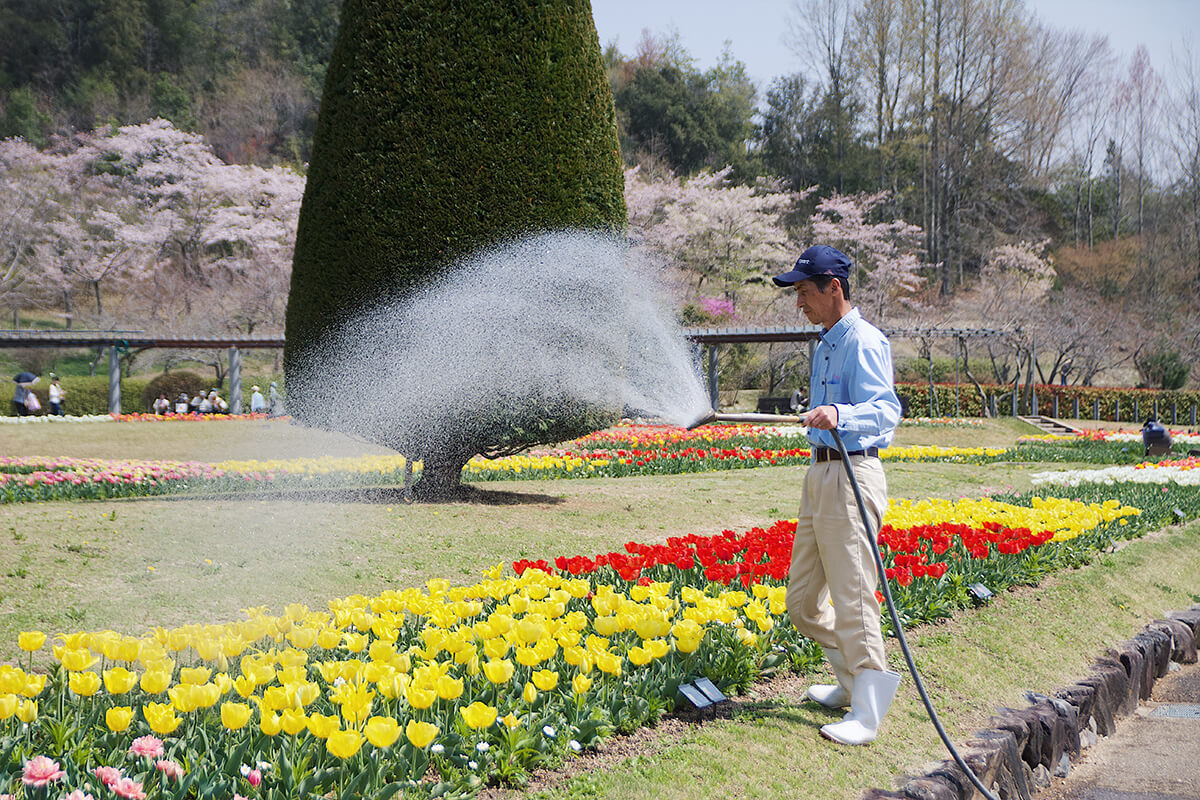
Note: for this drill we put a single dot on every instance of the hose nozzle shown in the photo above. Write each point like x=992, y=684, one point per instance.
x=704, y=419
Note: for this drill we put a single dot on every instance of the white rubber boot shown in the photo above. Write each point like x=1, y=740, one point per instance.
x=833, y=696
x=869, y=700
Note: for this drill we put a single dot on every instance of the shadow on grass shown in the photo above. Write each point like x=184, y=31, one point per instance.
x=373, y=495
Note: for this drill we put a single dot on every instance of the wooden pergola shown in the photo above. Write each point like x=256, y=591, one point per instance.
x=117, y=341
x=710, y=338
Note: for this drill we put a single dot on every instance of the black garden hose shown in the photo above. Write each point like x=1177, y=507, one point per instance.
x=897, y=627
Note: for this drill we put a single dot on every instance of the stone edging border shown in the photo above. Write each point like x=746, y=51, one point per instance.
x=1043, y=737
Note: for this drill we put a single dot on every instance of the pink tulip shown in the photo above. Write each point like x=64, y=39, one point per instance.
x=40, y=771
x=78, y=794
x=107, y=775
x=169, y=769
x=254, y=777
x=127, y=788
x=147, y=747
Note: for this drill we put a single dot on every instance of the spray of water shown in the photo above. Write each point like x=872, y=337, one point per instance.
x=545, y=322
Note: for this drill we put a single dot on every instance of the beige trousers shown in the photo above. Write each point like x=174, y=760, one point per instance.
x=831, y=561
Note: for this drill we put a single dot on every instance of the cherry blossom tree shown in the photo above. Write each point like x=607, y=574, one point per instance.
x=717, y=232
x=885, y=252
x=27, y=179
x=150, y=210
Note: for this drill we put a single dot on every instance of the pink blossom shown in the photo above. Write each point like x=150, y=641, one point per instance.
x=107, y=775
x=40, y=771
x=254, y=777
x=170, y=769
x=78, y=794
x=147, y=746
x=128, y=788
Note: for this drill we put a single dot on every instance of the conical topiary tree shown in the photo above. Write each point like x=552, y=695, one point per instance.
x=446, y=127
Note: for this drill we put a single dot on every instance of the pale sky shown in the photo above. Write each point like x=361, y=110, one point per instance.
x=756, y=28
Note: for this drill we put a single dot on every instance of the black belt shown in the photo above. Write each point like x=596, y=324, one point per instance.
x=831, y=454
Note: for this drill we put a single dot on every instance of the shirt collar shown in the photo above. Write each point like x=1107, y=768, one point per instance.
x=834, y=335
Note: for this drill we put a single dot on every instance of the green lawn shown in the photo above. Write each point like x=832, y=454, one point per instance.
x=134, y=564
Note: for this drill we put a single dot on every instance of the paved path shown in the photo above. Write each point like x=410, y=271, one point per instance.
x=1153, y=755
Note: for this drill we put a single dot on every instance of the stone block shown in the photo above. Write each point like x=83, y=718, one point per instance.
x=1162, y=648
x=1006, y=772
x=1103, y=705
x=1134, y=664
x=1053, y=735
x=1183, y=641
x=1082, y=696
x=1191, y=618
x=928, y=787
x=1071, y=723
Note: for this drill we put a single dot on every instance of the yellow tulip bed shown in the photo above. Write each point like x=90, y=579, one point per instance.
x=437, y=691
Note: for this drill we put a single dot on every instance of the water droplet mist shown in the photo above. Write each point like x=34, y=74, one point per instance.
x=565, y=317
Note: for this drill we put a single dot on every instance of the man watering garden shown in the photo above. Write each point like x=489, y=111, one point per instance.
x=851, y=390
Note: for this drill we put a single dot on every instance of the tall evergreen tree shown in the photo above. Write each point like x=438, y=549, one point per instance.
x=446, y=127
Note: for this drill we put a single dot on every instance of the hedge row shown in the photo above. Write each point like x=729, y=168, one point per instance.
x=89, y=394
x=1125, y=405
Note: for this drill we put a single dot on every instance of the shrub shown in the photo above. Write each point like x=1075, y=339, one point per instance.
x=444, y=131
x=171, y=384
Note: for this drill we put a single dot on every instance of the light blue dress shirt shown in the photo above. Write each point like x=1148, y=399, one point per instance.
x=852, y=371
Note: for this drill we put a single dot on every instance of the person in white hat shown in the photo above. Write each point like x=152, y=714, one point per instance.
x=258, y=403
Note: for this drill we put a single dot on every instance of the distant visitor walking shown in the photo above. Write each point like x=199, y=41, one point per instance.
x=57, y=393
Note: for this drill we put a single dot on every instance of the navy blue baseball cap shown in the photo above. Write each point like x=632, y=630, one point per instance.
x=817, y=260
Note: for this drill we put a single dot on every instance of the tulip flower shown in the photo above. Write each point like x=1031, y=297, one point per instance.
x=323, y=726
x=270, y=724
x=420, y=734
x=78, y=660
x=84, y=684
x=34, y=684
x=27, y=711
x=639, y=656
x=194, y=676
x=545, y=679
x=161, y=718
x=119, y=680
x=155, y=682
x=498, y=671
x=8, y=705
x=419, y=698
x=31, y=641
x=40, y=771
x=343, y=744
x=580, y=684
x=382, y=732
x=234, y=716
x=293, y=720
x=146, y=747
x=449, y=688
x=118, y=718
x=478, y=715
